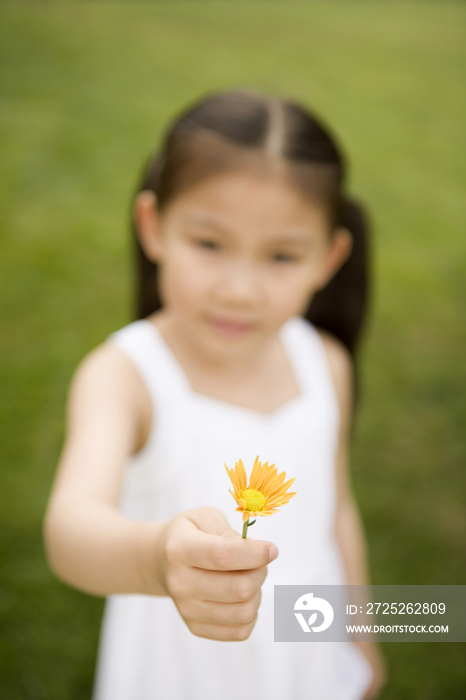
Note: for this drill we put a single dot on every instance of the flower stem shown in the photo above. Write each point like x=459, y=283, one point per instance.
x=246, y=524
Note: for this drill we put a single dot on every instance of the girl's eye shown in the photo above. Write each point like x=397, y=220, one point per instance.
x=283, y=258
x=207, y=244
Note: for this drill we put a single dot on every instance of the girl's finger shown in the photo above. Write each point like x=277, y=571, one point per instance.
x=193, y=547
x=222, y=633
x=229, y=614
x=216, y=586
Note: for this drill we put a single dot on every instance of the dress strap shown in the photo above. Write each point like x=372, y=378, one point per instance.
x=145, y=347
x=307, y=351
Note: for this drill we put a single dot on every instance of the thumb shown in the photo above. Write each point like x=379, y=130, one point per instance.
x=212, y=521
x=208, y=525
x=273, y=550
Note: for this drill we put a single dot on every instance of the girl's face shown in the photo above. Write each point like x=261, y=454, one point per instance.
x=239, y=255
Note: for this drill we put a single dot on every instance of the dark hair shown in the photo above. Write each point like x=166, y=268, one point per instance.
x=224, y=130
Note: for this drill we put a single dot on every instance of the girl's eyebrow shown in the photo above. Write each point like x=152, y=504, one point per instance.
x=208, y=221
x=295, y=239
x=292, y=240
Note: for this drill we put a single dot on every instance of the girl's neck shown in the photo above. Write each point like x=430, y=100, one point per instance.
x=262, y=381
x=193, y=357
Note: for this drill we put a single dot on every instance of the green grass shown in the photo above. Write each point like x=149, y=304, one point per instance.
x=86, y=89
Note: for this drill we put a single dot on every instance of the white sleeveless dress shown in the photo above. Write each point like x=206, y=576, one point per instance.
x=146, y=651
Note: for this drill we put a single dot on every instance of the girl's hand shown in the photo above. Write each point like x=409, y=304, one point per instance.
x=213, y=575
x=379, y=669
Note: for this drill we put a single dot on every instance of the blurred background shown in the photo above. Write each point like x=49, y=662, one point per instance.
x=86, y=89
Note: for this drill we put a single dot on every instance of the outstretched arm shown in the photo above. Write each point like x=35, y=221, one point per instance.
x=89, y=544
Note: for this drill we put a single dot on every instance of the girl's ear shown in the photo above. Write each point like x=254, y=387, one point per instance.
x=147, y=221
x=340, y=250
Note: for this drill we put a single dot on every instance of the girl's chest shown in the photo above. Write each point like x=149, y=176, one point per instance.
x=270, y=384
x=196, y=436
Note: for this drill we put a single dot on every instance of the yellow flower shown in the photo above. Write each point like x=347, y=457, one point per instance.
x=265, y=493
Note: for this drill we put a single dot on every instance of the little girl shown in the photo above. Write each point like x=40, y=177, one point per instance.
x=246, y=244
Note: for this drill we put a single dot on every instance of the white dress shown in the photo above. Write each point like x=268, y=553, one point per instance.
x=146, y=651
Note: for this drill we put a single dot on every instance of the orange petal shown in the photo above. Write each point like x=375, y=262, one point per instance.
x=245, y=516
x=256, y=468
x=264, y=475
x=241, y=474
x=284, y=498
x=233, y=479
x=267, y=478
x=274, y=483
x=237, y=499
x=281, y=489
x=276, y=502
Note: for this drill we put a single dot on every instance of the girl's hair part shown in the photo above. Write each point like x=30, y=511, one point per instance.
x=228, y=131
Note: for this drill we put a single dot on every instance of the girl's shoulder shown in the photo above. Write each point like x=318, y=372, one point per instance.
x=338, y=356
x=107, y=378
x=341, y=368
x=107, y=365
x=312, y=341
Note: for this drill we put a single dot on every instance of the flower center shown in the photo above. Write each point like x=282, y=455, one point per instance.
x=255, y=500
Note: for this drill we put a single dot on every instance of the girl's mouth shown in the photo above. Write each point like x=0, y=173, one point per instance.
x=231, y=329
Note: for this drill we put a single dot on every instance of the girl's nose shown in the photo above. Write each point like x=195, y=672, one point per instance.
x=240, y=283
